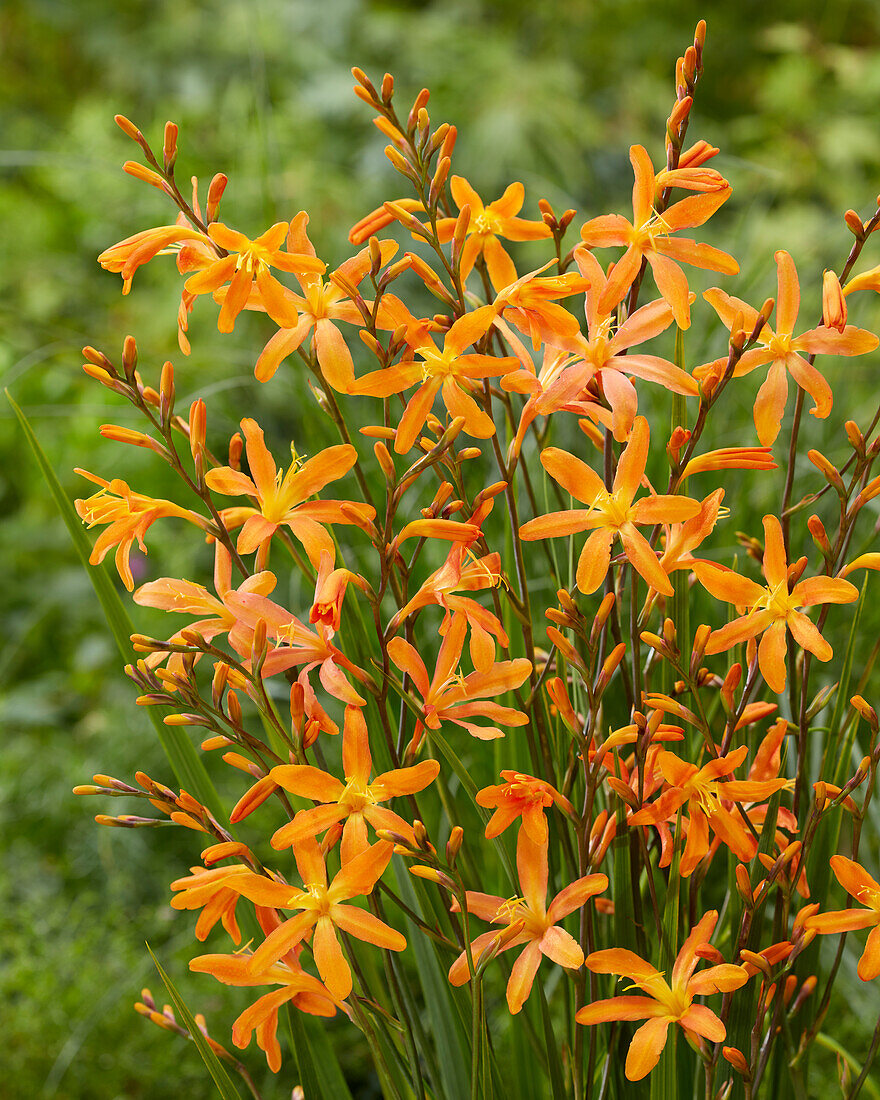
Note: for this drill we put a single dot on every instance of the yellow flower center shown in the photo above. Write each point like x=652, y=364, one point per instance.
x=778, y=601
x=518, y=909
x=780, y=345
x=252, y=261
x=614, y=508
x=317, y=893
x=356, y=795
x=646, y=234
x=436, y=363
x=485, y=224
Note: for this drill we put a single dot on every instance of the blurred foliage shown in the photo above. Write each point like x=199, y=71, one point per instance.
x=550, y=93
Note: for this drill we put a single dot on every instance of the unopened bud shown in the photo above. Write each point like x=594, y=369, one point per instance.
x=854, y=224
x=805, y=990
x=829, y=471
x=453, y=845
x=855, y=437
x=698, y=650
x=233, y=708
x=166, y=391
x=418, y=106
x=609, y=666
x=197, y=427
x=169, y=146
x=743, y=884
x=820, y=536
x=833, y=302
x=386, y=463
x=250, y=800
x=215, y=194
x=129, y=128
x=866, y=711
x=601, y=619
x=459, y=234
x=144, y=174
x=737, y=1060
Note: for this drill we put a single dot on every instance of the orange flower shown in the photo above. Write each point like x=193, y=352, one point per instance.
x=605, y=354
x=130, y=516
x=538, y=923
x=330, y=588
x=247, y=263
x=284, y=500
x=666, y=1003
x=356, y=800
x=462, y=572
x=451, y=697
x=318, y=309
x=773, y=609
x=128, y=255
x=322, y=909
x=521, y=796
x=210, y=891
x=705, y=792
x=647, y=237
x=189, y=598
x=530, y=304
x=859, y=885
x=683, y=538
x=297, y=987
x=611, y=513
x=297, y=645
x=486, y=225
x=449, y=372
x=780, y=349
x=526, y=380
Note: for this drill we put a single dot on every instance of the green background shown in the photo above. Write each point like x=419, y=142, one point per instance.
x=550, y=93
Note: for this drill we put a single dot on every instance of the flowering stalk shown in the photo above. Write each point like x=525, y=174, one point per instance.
x=656, y=781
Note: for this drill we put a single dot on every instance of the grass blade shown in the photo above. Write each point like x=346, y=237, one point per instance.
x=221, y=1078
x=320, y=1074
x=182, y=756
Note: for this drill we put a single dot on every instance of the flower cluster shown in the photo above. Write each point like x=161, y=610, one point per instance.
x=643, y=785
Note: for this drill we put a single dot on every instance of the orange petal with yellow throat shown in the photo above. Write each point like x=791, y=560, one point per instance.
x=595, y=560
x=770, y=403
x=771, y=656
x=673, y=285
x=788, y=302
x=644, y=560
x=575, y=476
x=522, y=976
x=631, y=467
x=646, y=1047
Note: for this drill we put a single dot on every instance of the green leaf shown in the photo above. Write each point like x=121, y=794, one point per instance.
x=320, y=1074
x=185, y=761
x=443, y=1014
x=221, y=1078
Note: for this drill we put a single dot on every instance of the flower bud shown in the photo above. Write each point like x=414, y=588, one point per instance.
x=833, y=302
x=459, y=234
x=166, y=392
x=820, y=536
x=144, y=174
x=829, y=471
x=169, y=146
x=737, y=1060
x=743, y=884
x=215, y=194
x=453, y=845
x=601, y=617
x=854, y=224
